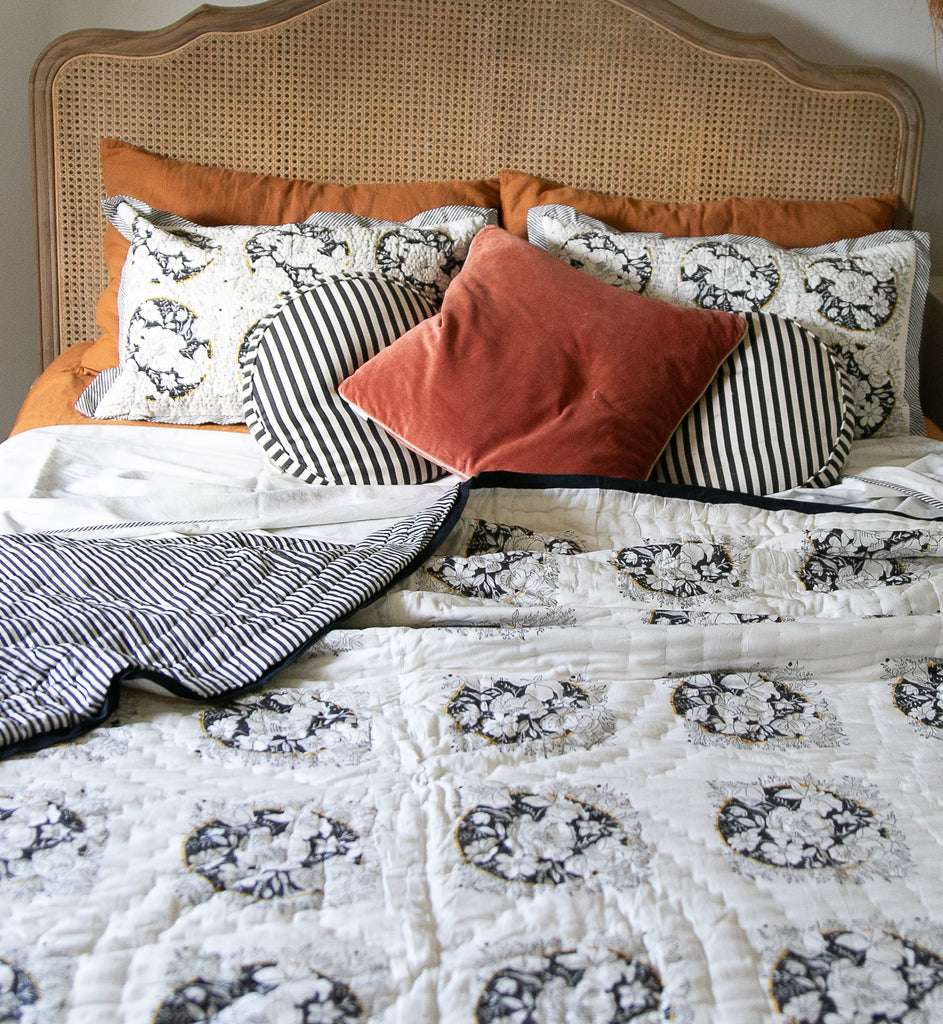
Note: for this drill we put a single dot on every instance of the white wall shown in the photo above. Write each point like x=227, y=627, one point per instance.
x=894, y=34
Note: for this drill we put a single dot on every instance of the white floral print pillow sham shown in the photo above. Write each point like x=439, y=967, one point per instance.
x=863, y=297
x=192, y=298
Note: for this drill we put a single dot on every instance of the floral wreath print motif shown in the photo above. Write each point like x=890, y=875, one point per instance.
x=858, y=974
x=873, y=388
x=920, y=698
x=544, y=839
x=602, y=985
x=488, y=537
x=683, y=569
x=294, y=722
x=305, y=253
x=18, y=990
x=515, y=577
x=44, y=842
x=537, y=711
x=425, y=259
x=718, y=275
x=609, y=261
x=271, y=854
x=163, y=343
x=749, y=708
x=280, y=994
x=858, y=559
x=192, y=254
x=854, y=292
x=800, y=826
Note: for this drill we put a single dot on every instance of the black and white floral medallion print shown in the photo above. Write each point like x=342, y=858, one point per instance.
x=799, y=828
x=512, y=577
x=598, y=986
x=425, y=259
x=270, y=852
x=918, y=694
x=752, y=708
x=535, y=714
x=263, y=991
x=841, y=559
x=490, y=537
x=618, y=263
x=49, y=845
x=163, y=342
x=859, y=294
x=854, y=292
x=178, y=254
x=19, y=993
x=549, y=838
x=686, y=570
x=298, y=723
x=305, y=253
x=718, y=275
x=874, y=388
x=858, y=976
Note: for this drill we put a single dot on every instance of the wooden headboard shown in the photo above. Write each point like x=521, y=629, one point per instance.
x=632, y=97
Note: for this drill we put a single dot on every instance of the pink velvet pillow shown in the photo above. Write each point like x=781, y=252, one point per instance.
x=534, y=367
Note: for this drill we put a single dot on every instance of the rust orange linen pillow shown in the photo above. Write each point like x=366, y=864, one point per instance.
x=790, y=223
x=214, y=195
x=535, y=367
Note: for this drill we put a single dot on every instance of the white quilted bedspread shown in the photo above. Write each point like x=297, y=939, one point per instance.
x=607, y=757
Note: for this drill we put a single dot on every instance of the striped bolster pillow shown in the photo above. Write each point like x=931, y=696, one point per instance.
x=290, y=383
x=779, y=414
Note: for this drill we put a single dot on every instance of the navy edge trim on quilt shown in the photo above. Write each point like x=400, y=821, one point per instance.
x=111, y=700
x=708, y=495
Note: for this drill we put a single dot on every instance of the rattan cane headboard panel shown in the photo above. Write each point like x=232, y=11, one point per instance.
x=635, y=98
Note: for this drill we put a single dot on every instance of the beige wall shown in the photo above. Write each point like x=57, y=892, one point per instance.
x=895, y=34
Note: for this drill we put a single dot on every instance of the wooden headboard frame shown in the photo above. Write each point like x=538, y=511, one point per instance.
x=632, y=97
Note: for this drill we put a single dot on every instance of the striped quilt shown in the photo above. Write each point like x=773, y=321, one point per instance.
x=201, y=617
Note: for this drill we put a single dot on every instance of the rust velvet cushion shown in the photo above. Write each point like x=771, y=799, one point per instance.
x=214, y=196
x=790, y=223
x=532, y=366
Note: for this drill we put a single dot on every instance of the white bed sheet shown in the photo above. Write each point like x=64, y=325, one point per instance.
x=92, y=475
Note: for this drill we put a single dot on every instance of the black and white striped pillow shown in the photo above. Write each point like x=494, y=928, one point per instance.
x=291, y=376
x=779, y=414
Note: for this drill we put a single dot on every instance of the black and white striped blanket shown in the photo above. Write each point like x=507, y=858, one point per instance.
x=201, y=616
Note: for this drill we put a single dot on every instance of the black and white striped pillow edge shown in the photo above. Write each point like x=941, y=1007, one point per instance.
x=291, y=376
x=756, y=393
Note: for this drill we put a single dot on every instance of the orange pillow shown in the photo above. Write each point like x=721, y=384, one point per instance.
x=791, y=223
x=532, y=366
x=213, y=195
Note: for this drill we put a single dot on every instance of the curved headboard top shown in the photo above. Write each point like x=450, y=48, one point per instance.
x=632, y=97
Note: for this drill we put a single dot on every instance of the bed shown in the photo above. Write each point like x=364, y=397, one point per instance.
x=474, y=551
